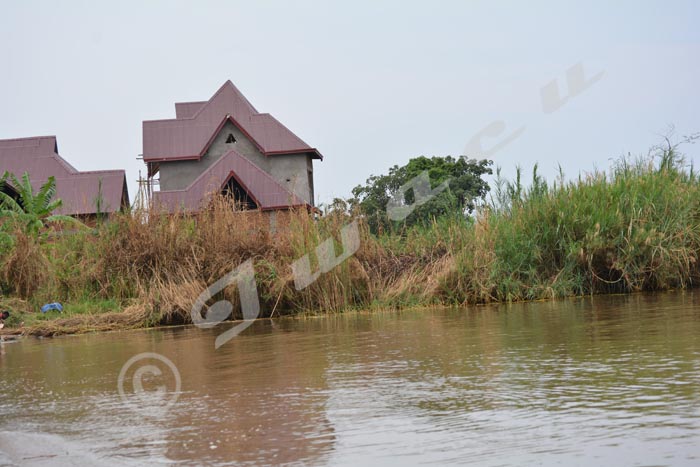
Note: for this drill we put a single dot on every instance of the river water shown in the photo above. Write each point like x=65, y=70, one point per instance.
x=599, y=381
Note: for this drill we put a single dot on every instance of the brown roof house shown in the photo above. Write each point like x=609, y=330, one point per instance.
x=224, y=145
x=84, y=194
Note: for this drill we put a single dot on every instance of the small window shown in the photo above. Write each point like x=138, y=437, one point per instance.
x=230, y=139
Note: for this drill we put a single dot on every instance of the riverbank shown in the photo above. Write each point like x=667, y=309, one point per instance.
x=633, y=228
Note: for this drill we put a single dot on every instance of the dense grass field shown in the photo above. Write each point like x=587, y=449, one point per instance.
x=635, y=227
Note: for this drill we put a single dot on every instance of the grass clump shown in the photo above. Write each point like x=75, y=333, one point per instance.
x=631, y=229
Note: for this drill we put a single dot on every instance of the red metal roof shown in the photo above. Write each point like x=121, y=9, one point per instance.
x=267, y=192
x=39, y=157
x=187, y=109
x=188, y=135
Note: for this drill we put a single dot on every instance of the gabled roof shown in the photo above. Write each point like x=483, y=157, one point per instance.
x=267, y=192
x=196, y=123
x=79, y=190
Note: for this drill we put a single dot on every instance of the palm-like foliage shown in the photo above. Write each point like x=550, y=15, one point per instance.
x=32, y=211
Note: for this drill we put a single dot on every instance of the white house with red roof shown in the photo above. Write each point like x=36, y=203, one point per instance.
x=224, y=145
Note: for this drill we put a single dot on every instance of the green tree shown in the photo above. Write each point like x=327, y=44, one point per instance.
x=32, y=212
x=465, y=186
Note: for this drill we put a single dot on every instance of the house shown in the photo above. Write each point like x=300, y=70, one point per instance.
x=224, y=145
x=84, y=194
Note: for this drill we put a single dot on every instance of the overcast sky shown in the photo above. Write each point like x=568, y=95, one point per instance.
x=369, y=83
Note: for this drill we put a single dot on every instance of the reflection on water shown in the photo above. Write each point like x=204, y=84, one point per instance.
x=595, y=381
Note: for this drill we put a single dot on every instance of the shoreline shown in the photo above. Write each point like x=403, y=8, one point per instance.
x=105, y=323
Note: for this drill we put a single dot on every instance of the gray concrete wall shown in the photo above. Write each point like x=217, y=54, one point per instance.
x=310, y=174
x=292, y=171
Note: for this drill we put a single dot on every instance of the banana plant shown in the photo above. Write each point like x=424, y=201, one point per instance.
x=32, y=212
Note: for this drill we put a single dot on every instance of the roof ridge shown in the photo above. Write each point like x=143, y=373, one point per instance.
x=190, y=102
x=230, y=84
x=67, y=165
x=157, y=120
x=28, y=138
x=121, y=171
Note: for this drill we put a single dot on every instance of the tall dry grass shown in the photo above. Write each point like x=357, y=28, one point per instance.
x=167, y=261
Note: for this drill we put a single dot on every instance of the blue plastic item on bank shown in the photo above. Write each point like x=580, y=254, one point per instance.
x=52, y=306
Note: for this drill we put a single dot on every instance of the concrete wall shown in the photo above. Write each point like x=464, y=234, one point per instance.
x=291, y=171
x=295, y=172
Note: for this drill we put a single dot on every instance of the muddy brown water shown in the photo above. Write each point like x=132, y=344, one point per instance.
x=603, y=381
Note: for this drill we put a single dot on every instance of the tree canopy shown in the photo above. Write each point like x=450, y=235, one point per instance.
x=456, y=185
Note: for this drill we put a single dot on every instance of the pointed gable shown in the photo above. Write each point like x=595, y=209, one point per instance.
x=267, y=192
x=188, y=135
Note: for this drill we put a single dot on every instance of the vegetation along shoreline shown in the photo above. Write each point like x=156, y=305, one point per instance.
x=635, y=227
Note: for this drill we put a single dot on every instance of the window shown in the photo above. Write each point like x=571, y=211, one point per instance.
x=238, y=193
x=230, y=139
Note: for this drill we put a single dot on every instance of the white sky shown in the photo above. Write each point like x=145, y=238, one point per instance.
x=369, y=83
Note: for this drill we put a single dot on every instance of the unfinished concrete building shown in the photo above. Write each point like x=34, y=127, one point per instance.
x=224, y=145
